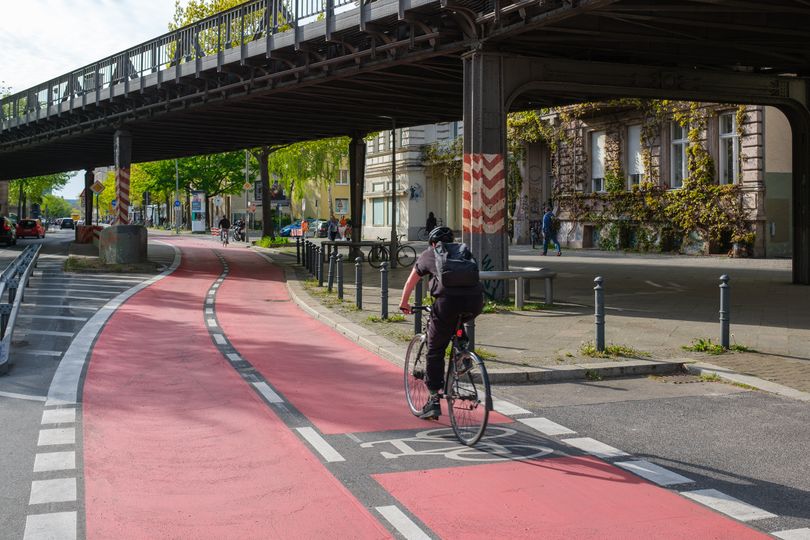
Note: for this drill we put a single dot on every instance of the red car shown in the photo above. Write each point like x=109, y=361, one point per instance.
x=30, y=227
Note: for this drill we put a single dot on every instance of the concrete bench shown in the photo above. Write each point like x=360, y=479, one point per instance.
x=523, y=277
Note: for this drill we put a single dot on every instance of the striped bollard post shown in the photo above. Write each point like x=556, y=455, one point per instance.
x=417, y=303
x=123, y=161
x=725, y=312
x=340, y=277
x=358, y=282
x=599, y=313
x=384, y=290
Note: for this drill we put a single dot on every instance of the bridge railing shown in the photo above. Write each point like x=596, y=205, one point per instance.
x=216, y=34
x=13, y=281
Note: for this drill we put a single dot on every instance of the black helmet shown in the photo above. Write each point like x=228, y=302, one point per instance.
x=441, y=234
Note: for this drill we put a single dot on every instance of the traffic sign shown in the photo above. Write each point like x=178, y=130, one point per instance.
x=97, y=187
x=218, y=200
x=112, y=202
x=247, y=186
x=177, y=203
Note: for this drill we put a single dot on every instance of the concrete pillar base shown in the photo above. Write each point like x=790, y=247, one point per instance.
x=123, y=244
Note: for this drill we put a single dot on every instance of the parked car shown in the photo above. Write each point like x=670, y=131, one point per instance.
x=30, y=228
x=67, y=223
x=321, y=228
x=8, y=232
x=288, y=230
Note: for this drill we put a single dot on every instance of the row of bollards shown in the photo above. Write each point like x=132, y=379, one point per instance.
x=599, y=312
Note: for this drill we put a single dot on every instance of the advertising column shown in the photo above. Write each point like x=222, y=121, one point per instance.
x=198, y=211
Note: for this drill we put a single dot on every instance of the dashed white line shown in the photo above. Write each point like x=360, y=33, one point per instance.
x=51, y=491
x=546, y=426
x=212, y=323
x=508, y=408
x=49, y=437
x=64, y=296
x=32, y=332
x=653, y=472
x=209, y=301
x=58, y=306
x=793, y=534
x=60, y=525
x=58, y=416
x=212, y=293
x=268, y=394
x=209, y=311
x=234, y=357
x=37, y=352
x=27, y=397
x=219, y=338
x=54, y=317
x=726, y=504
x=402, y=523
x=595, y=448
x=319, y=443
x=55, y=461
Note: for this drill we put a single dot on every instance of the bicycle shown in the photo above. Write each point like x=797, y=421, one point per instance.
x=406, y=255
x=223, y=236
x=423, y=233
x=466, y=384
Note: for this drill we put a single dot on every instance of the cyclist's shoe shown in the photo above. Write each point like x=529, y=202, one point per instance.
x=432, y=409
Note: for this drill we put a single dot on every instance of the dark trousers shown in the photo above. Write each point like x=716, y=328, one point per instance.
x=443, y=320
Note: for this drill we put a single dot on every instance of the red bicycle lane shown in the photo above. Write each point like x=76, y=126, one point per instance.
x=343, y=388
x=177, y=445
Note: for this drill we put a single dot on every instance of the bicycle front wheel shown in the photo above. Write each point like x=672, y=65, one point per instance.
x=377, y=256
x=416, y=391
x=468, y=397
x=406, y=256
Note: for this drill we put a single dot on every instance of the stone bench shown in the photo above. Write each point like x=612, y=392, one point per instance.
x=523, y=277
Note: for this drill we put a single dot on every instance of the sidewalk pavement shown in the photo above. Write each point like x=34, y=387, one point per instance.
x=656, y=305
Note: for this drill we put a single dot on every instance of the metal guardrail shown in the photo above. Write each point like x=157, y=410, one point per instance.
x=227, y=30
x=14, y=279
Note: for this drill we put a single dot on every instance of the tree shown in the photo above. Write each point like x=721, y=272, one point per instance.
x=53, y=206
x=32, y=189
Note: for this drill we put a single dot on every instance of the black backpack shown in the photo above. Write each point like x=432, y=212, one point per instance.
x=455, y=265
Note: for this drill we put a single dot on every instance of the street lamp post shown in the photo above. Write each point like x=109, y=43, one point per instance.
x=393, y=249
x=176, y=197
x=247, y=216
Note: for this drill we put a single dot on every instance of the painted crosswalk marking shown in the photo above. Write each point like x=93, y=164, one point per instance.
x=50, y=437
x=653, y=472
x=507, y=408
x=58, y=416
x=546, y=426
x=595, y=448
x=793, y=534
x=726, y=504
x=61, y=525
x=402, y=523
x=55, y=461
x=319, y=443
x=51, y=491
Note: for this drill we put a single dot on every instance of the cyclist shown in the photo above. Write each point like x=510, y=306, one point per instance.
x=224, y=228
x=449, y=303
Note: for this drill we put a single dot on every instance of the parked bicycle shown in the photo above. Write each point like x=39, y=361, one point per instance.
x=466, y=384
x=405, y=254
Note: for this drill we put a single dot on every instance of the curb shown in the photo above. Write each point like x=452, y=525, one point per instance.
x=395, y=353
x=703, y=368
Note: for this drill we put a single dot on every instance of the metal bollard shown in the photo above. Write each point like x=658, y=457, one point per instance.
x=306, y=254
x=319, y=264
x=725, y=312
x=599, y=313
x=340, y=277
x=331, y=276
x=417, y=303
x=358, y=282
x=384, y=290
x=297, y=250
x=469, y=328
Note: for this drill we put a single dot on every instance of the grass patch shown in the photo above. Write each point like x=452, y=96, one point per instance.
x=500, y=306
x=710, y=377
x=484, y=354
x=612, y=351
x=708, y=346
x=397, y=317
x=592, y=375
x=267, y=242
x=95, y=264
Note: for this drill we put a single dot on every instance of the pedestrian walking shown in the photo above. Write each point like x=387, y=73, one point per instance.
x=342, y=227
x=550, y=228
x=430, y=224
x=332, y=228
x=304, y=228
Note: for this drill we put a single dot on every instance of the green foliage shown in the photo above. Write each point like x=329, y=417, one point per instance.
x=611, y=351
x=485, y=354
x=592, y=375
x=397, y=317
x=53, y=206
x=266, y=242
x=708, y=346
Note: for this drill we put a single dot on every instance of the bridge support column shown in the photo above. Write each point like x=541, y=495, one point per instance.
x=123, y=162
x=89, y=178
x=799, y=117
x=4, y=198
x=357, y=176
x=484, y=226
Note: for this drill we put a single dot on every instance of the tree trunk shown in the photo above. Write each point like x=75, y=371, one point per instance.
x=20, y=201
x=268, y=226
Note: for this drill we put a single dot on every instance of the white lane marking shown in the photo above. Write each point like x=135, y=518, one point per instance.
x=652, y=283
x=57, y=306
x=595, y=448
x=508, y=408
x=37, y=290
x=32, y=332
x=212, y=293
x=60, y=525
x=793, y=534
x=49, y=437
x=269, y=395
x=653, y=472
x=402, y=523
x=31, y=293
x=546, y=426
x=215, y=285
x=209, y=311
x=726, y=504
x=209, y=301
x=51, y=491
x=54, y=317
x=233, y=357
x=354, y=437
x=58, y=416
x=212, y=323
x=219, y=338
x=319, y=443
x=12, y=395
x=37, y=352
x=55, y=461
x=36, y=284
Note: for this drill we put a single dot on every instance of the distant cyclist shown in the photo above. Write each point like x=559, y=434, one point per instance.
x=457, y=290
x=224, y=228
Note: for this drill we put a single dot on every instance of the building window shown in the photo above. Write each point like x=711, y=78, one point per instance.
x=635, y=163
x=729, y=149
x=343, y=177
x=378, y=186
x=680, y=163
x=598, y=139
x=341, y=206
x=378, y=212
x=370, y=146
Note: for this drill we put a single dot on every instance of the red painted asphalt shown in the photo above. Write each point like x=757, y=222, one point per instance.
x=554, y=499
x=177, y=445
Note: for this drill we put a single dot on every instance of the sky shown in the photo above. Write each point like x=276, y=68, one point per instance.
x=42, y=39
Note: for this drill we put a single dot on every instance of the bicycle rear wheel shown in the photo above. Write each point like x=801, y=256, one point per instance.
x=377, y=256
x=406, y=256
x=468, y=397
x=416, y=391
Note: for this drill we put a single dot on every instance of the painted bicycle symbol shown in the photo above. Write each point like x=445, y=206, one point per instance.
x=442, y=442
